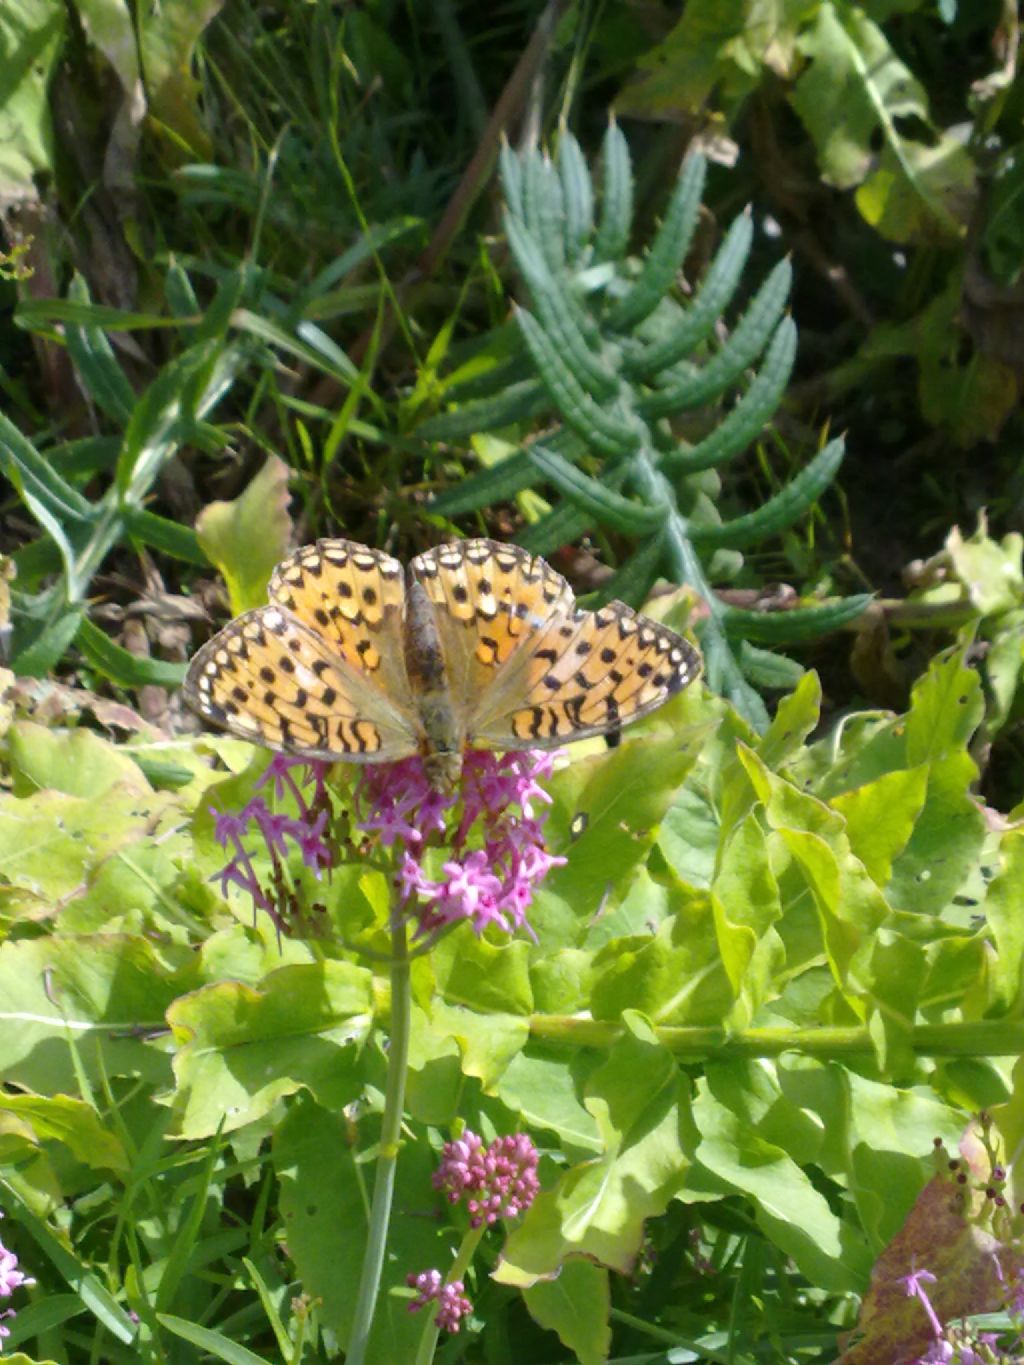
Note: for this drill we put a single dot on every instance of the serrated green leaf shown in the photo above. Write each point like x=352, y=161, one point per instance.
x=240, y=1050
x=880, y=817
x=577, y=195
x=598, y=1209
x=606, y=431
x=713, y=297
x=748, y=417
x=751, y=335
x=599, y=502
x=247, y=537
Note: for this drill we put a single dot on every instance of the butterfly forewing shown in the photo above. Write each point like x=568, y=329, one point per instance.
x=268, y=678
x=354, y=598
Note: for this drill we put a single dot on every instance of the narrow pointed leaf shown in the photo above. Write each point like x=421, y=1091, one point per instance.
x=616, y=197
x=120, y=665
x=748, y=418
x=543, y=213
x=498, y=484
x=746, y=343
x=609, y=434
x=792, y=627
x=569, y=328
x=712, y=299
x=516, y=404
x=603, y=504
x=577, y=195
x=780, y=511
x=97, y=366
x=668, y=251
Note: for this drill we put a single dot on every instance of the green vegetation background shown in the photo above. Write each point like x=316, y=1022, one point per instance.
x=253, y=252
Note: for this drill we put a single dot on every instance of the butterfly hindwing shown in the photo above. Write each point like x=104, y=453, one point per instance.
x=591, y=673
x=268, y=678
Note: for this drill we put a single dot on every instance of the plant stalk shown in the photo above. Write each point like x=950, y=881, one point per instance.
x=974, y=1038
x=390, y=1136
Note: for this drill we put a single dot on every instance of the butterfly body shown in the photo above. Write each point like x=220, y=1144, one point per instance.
x=478, y=645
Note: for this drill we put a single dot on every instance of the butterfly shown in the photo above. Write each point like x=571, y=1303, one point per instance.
x=479, y=645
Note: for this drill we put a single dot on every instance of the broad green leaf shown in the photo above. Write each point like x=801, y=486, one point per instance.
x=945, y=846
x=576, y=1305
x=640, y=1102
x=487, y=1041
x=615, y=801
x=52, y=845
x=990, y=571
x=675, y=976
x=746, y=905
x=711, y=45
x=539, y=1088
x=33, y=27
x=76, y=762
x=91, y=998
x=324, y=1204
x=240, y=1050
x=434, y=1086
x=795, y=1215
x=167, y=37
x=854, y=87
x=73, y=1123
x=561, y=980
x=482, y=975
x=247, y=537
x=880, y=817
x=920, y=192
x=795, y=717
x=1003, y=915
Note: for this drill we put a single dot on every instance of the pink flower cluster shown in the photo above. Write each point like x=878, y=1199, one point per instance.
x=498, y=1181
x=452, y=1304
x=304, y=831
x=11, y=1278
x=955, y=1343
x=494, y=833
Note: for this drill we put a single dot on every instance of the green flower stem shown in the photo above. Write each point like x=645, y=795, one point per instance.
x=978, y=1038
x=390, y=1135
x=428, y=1341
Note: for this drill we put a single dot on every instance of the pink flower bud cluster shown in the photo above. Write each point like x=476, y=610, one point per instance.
x=495, y=835
x=498, y=1181
x=452, y=1304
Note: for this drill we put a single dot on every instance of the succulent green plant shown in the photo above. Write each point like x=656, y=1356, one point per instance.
x=610, y=347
